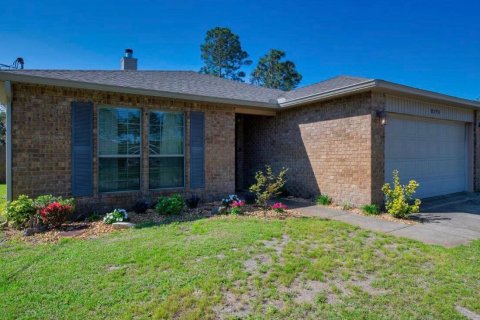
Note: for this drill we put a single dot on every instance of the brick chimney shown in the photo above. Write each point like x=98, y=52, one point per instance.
x=128, y=61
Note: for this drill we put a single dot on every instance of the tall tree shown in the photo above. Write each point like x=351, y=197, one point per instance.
x=271, y=72
x=223, y=55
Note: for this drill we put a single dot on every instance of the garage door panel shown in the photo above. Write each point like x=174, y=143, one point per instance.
x=433, y=152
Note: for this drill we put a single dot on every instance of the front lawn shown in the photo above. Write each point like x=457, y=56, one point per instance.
x=239, y=267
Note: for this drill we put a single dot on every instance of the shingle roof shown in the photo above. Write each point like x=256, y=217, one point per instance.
x=199, y=87
x=181, y=82
x=323, y=86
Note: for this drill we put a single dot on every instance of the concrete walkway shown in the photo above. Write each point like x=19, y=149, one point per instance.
x=445, y=221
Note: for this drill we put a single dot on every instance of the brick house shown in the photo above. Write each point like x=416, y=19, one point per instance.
x=111, y=137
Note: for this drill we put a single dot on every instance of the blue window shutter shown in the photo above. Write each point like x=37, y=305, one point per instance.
x=197, y=150
x=82, y=149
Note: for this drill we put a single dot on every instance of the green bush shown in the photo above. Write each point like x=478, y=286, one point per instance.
x=170, y=205
x=371, y=209
x=399, y=200
x=21, y=211
x=323, y=200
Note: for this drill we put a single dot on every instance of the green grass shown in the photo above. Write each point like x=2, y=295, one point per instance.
x=239, y=266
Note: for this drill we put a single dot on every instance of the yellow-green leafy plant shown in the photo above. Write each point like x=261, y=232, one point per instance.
x=399, y=200
x=268, y=185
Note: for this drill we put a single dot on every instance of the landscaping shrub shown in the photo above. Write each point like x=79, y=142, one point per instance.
x=141, y=206
x=267, y=185
x=117, y=215
x=237, y=207
x=43, y=201
x=45, y=209
x=226, y=202
x=399, y=200
x=193, y=201
x=347, y=206
x=169, y=205
x=56, y=213
x=279, y=207
x=371, y=209
x=323, y=200
x=20, y=212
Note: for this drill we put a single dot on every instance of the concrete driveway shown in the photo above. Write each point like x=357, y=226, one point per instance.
x=448, y=221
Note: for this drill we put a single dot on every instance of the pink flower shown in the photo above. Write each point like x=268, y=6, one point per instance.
x=279, y=207
x=236, y=204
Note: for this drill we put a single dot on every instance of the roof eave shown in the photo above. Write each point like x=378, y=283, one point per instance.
x=335, y=93
x=128, y=90
x=382, y=86
x=394, y=88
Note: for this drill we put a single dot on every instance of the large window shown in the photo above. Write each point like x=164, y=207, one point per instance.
x=166, y=147
x=119, y=149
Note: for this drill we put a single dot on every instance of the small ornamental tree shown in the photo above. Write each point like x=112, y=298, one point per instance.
x=399, y=200
x=268, y=185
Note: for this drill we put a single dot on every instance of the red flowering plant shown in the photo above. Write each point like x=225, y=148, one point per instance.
x=237, y=207
x=56, y=213
x=279, y=207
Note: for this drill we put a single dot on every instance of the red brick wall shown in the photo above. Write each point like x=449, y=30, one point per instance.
x=326, y=146
x=41, y=133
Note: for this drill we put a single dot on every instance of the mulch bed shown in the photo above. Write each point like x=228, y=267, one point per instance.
x=382, y=216
x=89, y=230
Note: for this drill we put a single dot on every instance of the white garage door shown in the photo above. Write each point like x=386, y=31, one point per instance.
x=433, y=152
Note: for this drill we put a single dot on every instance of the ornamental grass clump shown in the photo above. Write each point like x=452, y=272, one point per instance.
x=268, y=185
x=372, y=209
x=399, y=200
x=323, y=200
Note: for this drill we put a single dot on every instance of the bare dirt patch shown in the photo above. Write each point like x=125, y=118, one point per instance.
x=277, y=244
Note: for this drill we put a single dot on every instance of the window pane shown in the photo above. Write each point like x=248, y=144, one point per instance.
x=166, y=172
x=166, y=133
x=119, y=131
x=119, y=174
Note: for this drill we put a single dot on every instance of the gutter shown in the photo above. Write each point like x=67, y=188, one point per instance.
x=11, y=76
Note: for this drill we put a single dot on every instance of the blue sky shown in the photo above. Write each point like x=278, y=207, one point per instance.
x=433, y=45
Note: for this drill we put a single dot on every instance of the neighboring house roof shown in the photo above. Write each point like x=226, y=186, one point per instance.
x=194, y=86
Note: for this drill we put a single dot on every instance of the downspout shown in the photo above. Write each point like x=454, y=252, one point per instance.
x=8, y=93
